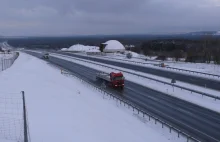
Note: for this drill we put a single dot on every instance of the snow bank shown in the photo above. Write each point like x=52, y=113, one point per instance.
x=82, y=48
x=61, y=108
x=133, y=54
x=64, y=49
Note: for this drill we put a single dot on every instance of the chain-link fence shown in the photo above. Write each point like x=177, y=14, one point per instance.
x=6, y=60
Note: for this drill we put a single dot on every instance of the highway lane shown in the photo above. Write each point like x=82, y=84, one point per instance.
x=196, y=121
x=209, y=83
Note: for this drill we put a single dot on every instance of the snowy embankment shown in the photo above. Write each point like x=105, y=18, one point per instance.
x=81, y=48
x=198, y=99
x=62, y=108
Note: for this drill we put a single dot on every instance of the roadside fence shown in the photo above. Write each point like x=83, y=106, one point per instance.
x=6, y=62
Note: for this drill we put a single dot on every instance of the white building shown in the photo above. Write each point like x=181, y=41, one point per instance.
x=113, y=46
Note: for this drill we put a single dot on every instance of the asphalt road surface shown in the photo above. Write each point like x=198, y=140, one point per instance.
x=197, y=121
x=209, y=83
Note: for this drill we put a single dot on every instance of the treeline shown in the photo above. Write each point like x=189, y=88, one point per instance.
x=204, y=50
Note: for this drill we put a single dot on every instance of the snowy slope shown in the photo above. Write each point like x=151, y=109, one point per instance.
x=61, y=108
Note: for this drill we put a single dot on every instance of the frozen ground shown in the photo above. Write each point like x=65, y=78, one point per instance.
x=62, y=108
x=176, y=92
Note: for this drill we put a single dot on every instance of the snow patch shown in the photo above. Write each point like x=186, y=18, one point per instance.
x=64, y=49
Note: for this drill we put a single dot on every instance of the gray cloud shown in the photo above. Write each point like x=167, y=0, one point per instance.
x=80, y=17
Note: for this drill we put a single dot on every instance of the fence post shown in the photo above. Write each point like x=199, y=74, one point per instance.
x=24, y=117
x=2, y=64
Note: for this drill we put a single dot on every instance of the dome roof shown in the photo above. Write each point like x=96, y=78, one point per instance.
x=113, y=46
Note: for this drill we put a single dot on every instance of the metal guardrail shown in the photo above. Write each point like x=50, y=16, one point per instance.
x=138, y=110
x=194, y=72
x=184, y=88
x=208, y=74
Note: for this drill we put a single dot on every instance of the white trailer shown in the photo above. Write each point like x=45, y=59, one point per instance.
x=104, y=76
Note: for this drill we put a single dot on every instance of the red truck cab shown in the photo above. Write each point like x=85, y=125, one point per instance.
x=117, y=79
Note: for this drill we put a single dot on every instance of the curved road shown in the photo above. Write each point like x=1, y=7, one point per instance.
x=199, y=122
x=209, y=83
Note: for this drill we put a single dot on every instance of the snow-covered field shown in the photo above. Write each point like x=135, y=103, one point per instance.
x=62, y=108
x=182, y=94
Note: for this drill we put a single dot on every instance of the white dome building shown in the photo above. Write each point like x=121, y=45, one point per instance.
x=113, y=46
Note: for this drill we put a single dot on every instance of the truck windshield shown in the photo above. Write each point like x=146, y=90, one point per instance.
x=118, y=78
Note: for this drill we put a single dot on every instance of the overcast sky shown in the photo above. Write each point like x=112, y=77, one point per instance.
x=87, y=17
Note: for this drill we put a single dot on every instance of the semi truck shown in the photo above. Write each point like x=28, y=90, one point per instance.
x=116, y=80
